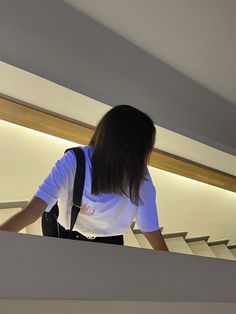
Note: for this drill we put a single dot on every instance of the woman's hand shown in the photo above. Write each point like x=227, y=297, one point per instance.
x=155, y=238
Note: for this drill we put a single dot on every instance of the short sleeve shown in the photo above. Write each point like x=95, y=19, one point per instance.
x=57, y=179
x=147, y=215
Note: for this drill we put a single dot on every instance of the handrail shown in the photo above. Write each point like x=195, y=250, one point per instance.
x=39, y=268
x=13, y=204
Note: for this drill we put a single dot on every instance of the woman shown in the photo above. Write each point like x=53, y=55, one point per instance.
x=118, y=187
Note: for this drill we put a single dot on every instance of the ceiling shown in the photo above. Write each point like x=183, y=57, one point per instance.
x=182, y=45
x=197, y=38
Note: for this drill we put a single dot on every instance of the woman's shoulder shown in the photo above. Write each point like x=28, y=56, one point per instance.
x=147, y=186
x=70, y=152
x=69, y=159
x=88, y=150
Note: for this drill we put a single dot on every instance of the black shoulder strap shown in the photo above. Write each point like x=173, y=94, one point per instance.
x=78, y=184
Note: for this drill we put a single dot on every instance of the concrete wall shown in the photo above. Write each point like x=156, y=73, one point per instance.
x=51, y=39
x=76, y=270
x=114, y=307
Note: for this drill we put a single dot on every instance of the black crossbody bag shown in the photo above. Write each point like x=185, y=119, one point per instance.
x=50, y=225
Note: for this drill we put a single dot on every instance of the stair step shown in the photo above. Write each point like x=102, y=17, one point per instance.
x=196, y=239
x=233, y=251
x=200, y=248
x=178, y=245
x=175, y=235
x=143, y=242
x=221, y=251
x=130, y=239
x=231, y=246
x=35, y=228
x=13, y=205
x=218, y=242
x=174, y=244
x=138, y=231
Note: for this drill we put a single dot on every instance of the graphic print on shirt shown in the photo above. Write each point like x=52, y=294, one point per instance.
x=87, y=209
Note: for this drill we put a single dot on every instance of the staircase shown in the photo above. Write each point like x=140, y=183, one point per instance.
x=180, y=243
x=176, y=242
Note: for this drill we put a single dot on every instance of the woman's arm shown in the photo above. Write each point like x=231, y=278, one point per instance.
x=33, y=210
x=155, y=238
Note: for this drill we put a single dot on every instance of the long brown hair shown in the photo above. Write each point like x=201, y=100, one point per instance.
x=122, y=143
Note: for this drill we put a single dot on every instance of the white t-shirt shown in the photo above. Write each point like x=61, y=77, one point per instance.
x=102, y=214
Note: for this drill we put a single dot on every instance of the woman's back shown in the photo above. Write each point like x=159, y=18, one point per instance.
x=101, y=214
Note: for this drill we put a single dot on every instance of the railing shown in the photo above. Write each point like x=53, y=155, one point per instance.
x=40, y=268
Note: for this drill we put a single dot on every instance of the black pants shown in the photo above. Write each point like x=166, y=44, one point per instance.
x=119, y=239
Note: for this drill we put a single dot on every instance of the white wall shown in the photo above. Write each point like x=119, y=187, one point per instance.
x=26, y=158
x=184, y=204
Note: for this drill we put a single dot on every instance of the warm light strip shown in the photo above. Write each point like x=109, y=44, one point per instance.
x=79, y=133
